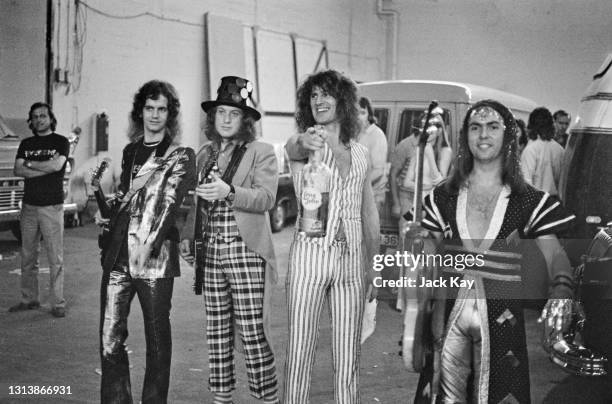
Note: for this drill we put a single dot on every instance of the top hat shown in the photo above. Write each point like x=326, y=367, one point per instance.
x=233, y=91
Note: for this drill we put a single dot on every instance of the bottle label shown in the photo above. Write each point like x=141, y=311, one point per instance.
x=311, y=198
x=314, y=213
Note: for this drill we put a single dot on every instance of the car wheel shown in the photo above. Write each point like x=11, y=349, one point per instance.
x=278, y=214
x=16, y=230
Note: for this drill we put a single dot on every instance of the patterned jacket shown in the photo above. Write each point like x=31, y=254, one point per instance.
x=149, y=217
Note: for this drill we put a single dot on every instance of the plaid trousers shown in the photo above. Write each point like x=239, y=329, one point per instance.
x=233, y=293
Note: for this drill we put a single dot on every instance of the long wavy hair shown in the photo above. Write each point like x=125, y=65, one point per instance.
x=342, y=89
x=464, y=163
x=247, y=131
x=540, y=124
x=153, y=89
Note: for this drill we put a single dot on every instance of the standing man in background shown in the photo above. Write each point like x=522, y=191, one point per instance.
x=542, y=157
x=372, y=137
x=561, y=121
x=41, y=160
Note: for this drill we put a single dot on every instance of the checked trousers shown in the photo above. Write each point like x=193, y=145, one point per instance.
x=233, y=293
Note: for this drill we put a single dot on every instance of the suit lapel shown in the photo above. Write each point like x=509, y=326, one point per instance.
x=245, y=165
x=151, y=164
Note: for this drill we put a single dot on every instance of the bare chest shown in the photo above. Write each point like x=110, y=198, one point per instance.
x=480, y=210
x=342, y=156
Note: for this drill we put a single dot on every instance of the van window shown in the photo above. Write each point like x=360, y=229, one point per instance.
x=410, y=123
x=382, y=118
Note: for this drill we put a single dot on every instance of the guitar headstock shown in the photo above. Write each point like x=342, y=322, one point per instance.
x=431, y=110
x=98, y=172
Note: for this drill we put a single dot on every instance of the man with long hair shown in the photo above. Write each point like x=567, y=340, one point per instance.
x=373, y=137
x=330, y=268
x=141, y=257
x=238, y=177
x=484, y=209
x=542, y=158
x=41, y=160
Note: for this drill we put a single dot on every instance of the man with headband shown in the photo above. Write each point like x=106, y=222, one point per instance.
x=485, y=207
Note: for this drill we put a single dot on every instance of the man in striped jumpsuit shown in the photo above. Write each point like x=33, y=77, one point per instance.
x=330, y=268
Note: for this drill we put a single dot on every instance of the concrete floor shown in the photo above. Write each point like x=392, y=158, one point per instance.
x=38, y=349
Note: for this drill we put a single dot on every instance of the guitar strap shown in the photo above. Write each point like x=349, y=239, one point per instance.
x=227, y=177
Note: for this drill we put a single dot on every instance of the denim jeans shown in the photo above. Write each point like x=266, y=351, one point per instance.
x=155, y=295
x=47, y=221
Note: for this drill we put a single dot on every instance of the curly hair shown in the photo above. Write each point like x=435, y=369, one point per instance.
x=34, y=107
x=464, y=163
x=540, y=124
x=152, y=90
x=342, y=89
x=247, y=131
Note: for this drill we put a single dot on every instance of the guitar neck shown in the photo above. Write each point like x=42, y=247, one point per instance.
x=418, y=191
x=105, y=210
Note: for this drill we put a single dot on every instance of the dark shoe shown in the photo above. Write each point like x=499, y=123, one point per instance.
x=24, y=306
x=58, y=312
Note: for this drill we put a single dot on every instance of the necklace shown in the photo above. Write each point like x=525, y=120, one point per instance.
x=152, y=144
x=483, y=201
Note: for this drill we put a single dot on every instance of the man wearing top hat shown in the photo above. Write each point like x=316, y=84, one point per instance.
x=237, y=181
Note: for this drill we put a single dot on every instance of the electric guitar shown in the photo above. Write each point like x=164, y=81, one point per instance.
x=417, y=340
x=103, y=206
x=198, y=242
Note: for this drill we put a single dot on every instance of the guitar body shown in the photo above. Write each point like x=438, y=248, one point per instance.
x=198, y=243
x=416, y=339
x=106, y=210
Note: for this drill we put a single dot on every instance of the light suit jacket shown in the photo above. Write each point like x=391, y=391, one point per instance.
x=255, y=183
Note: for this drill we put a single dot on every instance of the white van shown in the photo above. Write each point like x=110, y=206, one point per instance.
x=398, y=105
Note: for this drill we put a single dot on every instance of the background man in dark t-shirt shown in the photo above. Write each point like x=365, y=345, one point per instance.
x=41, y=160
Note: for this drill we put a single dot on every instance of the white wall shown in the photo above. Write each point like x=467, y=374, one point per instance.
x=121, y=54
x=546, y=50
x=22, y=57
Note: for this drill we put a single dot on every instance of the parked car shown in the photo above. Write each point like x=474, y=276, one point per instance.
x=285, y=207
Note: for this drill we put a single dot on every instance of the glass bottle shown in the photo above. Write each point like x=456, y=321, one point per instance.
x=207, y=180
x=314, y=199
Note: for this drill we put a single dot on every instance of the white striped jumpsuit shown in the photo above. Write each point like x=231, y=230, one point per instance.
x=325, y=269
